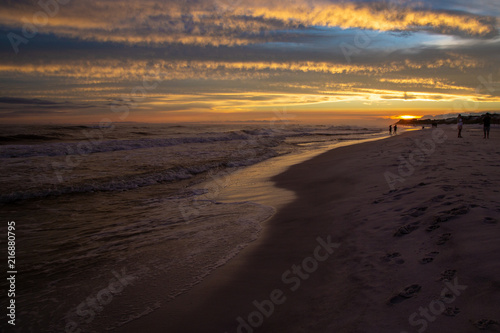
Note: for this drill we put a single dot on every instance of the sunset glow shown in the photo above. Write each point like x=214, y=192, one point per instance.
x=218, y=60
x=409, y=117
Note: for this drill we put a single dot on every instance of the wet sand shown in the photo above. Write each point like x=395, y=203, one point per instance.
x=396, y=235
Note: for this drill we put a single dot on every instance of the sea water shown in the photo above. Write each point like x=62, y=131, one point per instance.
x=111, y=220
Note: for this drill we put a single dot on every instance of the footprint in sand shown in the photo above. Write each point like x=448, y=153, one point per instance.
x=426, y=260
x=451, y=311
x=441, y=218
x=419, y=211
x=404, y=230
x=448, y=297
x=448, y=275
x=489, y=220
x=484, y=324
x=390, y=256
x=432, y=227
x=429, y=257
x=443, y=239
x=406, y=293
x=462, y=210
x=452, y=213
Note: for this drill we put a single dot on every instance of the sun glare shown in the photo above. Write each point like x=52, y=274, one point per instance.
x=409, y=117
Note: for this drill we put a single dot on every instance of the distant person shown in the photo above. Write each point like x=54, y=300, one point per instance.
x=434, y=124
x=460, y=125
x=390, y=129
x=395, y=129
x=486, y=125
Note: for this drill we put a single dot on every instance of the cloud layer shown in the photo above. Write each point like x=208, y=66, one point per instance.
x=233, y=22
x=235, y=55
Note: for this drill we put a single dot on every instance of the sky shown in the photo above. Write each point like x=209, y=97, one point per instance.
x=70, y=61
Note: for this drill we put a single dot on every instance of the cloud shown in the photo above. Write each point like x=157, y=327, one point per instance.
x=224, y=55
x=37, y=105
x=250, y=22
x=30, y=112
x=28, y=101
x=240, y=84
x=108, y=70
x=383, y=16
x=415, y=82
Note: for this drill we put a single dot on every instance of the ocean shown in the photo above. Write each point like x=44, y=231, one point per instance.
x=113, y=220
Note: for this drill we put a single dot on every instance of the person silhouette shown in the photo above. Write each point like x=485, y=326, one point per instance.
x=460, y=125
x=390, y=129
x=395, y=129
x=486, y=125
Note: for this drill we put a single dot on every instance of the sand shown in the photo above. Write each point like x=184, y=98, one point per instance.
x=396, y=235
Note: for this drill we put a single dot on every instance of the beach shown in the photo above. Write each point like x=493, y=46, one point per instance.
x=227, y=166
x=115, y=222
x=395, y=235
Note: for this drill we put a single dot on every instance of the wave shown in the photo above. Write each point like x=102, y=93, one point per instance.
x=26, y=137
x=132, y=181
x=62, y=127
x=96, y=145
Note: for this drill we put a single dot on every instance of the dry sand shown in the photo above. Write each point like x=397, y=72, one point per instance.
x=422, y=256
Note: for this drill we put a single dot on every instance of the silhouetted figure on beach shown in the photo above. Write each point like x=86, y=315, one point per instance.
x=486, y=126
x=395, y=129
x=390, y=129
x=460, y=125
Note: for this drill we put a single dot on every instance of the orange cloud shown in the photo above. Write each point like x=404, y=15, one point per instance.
x=211, y=23
x=106, y=70
x=380, y=16
x=425, y=82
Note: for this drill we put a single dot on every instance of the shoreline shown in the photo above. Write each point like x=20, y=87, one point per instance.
x=256, y=179
x=343, y=197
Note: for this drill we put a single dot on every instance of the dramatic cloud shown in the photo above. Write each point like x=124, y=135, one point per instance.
x=195, y=56
x=223, y=23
